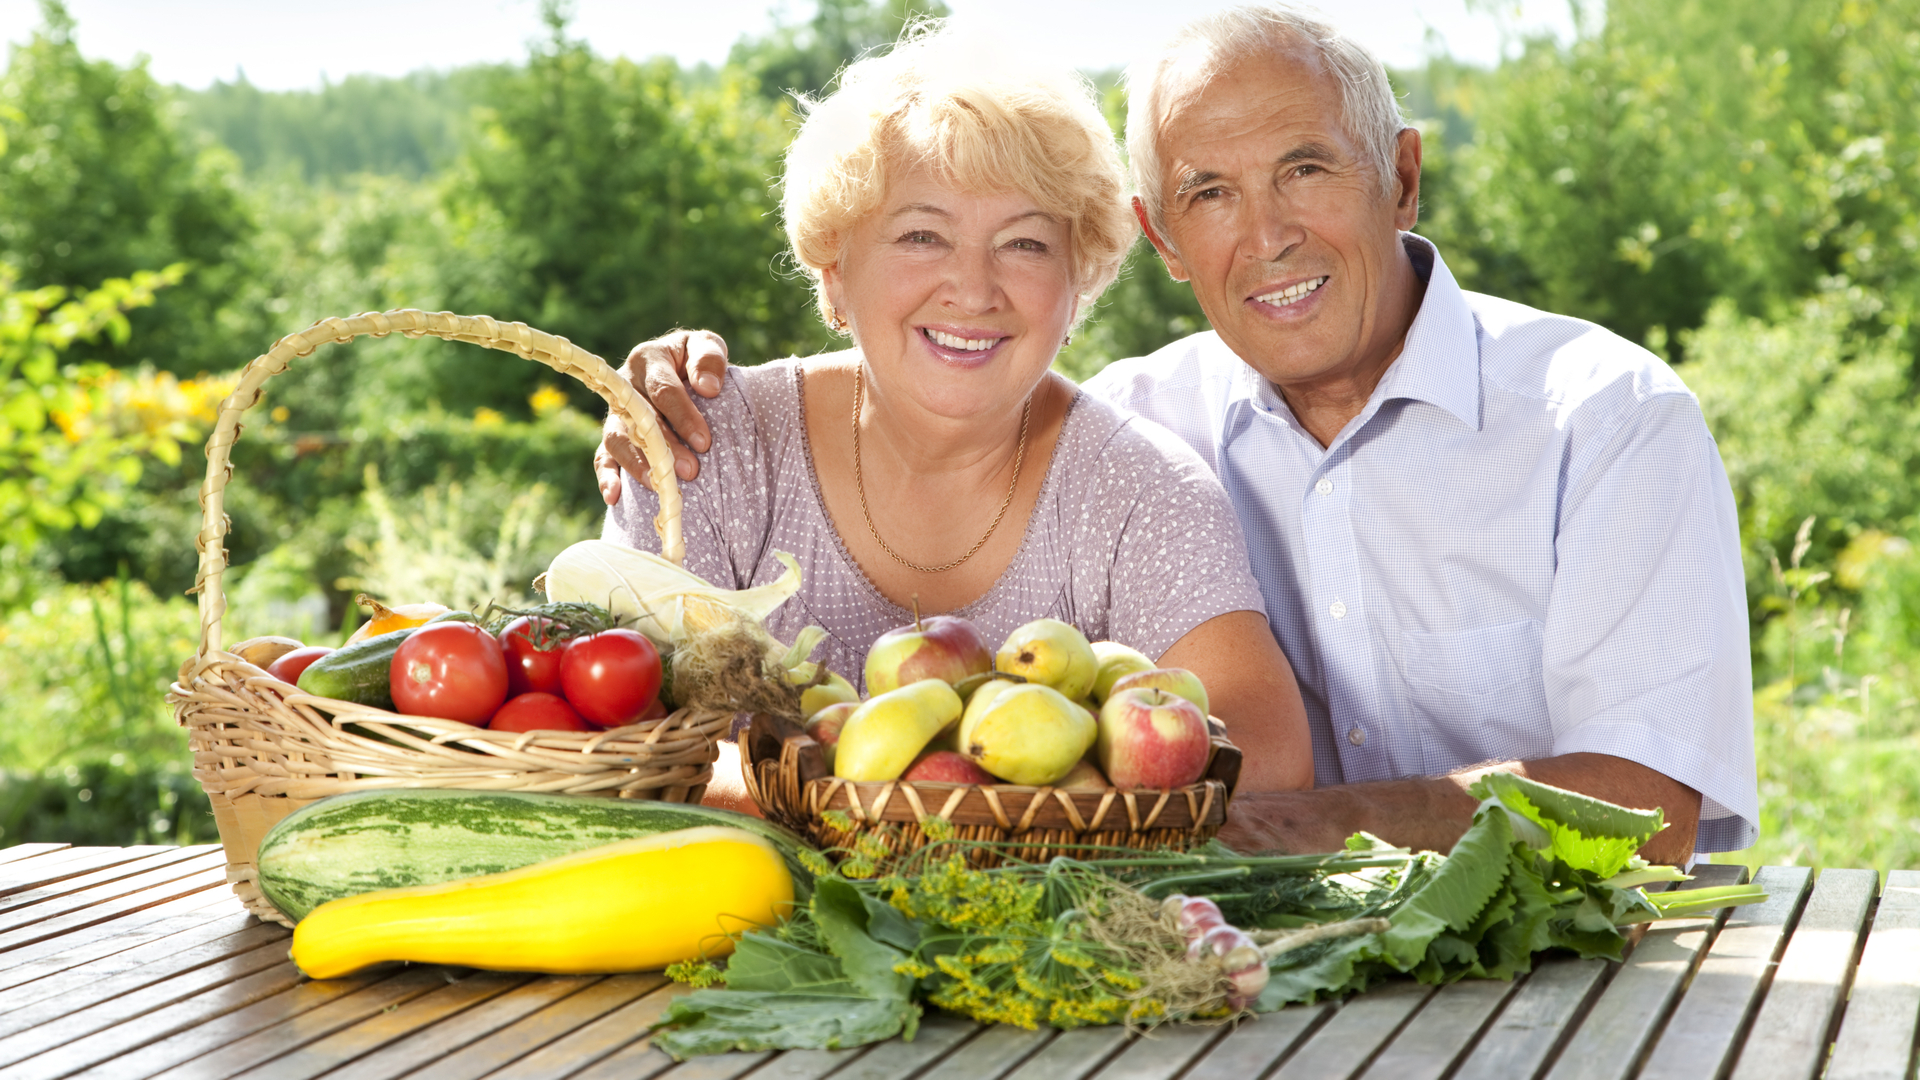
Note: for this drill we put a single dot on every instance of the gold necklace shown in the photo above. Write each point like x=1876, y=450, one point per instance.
x=860, y=483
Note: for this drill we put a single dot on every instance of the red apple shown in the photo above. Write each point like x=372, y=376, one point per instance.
x=940, y=647
x=825, y=727
x=1151, y=739
x=1174, y=680
x=947, y=767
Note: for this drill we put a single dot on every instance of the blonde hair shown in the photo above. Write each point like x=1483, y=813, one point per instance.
x=985, y=121
x=1367, y=103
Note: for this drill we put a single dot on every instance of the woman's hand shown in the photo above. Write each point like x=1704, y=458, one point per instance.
x=1251, y=688
x=661, y=370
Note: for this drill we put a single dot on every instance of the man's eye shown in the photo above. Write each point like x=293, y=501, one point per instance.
x=1207, y=194
x=1307, y=170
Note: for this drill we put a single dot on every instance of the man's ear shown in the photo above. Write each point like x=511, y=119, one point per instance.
x=1406, y=170
x=1167, y=254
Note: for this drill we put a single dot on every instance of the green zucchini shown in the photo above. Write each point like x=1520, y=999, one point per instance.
x=357, y=672
x=350, y=844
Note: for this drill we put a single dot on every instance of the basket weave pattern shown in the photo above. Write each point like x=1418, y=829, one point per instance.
x=786, y=775
x=262, y=748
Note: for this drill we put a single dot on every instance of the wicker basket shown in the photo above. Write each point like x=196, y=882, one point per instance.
x=262, y=749
x=787, y=776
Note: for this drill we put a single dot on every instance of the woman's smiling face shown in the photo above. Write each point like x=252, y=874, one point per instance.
x=959, y=301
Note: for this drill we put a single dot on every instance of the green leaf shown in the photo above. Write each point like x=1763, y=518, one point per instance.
x=840, y=913
x=716, y=1021
x=1456, y=895
x=1588, y=834
x=762, y=962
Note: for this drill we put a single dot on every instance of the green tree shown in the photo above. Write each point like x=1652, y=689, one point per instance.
x=610, y=201
x=804, y=58
x=95, y=183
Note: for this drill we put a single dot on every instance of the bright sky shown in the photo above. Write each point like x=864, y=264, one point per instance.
x=284, y=46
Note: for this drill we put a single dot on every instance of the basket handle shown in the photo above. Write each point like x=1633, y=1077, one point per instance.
x=556, y=352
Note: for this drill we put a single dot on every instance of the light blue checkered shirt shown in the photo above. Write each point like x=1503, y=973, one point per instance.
x=1525, y=545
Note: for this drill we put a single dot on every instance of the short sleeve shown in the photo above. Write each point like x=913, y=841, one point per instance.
x=1178, y=556
x=726, y=515
x=1645, y=646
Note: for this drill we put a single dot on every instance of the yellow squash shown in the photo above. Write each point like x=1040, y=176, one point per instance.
x=628, y=906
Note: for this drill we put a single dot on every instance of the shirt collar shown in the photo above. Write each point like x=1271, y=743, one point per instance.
x=1439, y=363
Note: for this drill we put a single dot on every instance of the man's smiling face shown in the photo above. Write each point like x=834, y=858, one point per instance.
x=1275, y=214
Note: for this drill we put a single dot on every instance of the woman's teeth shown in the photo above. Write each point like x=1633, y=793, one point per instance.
x=954, y=342
x=1291, y=293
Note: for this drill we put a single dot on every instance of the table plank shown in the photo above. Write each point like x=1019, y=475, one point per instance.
x=119, y=1042
x=1254, y=1045
x=1877, y=1031
x=58, y=1030
x=1363, y=1023
x=805, y=1064
x=345, y=1045
x=1703, y=1034
x=28, y=851
x=159, y=892
x=1790, y=1037
x=719, y=1066
x=997, y=1050
x=60, y=865
x=1629, y=1012
x=35, y=963
x=538, y=1028
x=1164, y=1053
x=132, y=969
x=24, y=909
x=1072, y=1055
x=1539, y=1014
x=1427, y=1047
x=604, y=1037
x=425, y=1046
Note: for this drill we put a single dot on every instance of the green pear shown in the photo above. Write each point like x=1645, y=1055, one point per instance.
x=1116, y=661
x=1052, y=653
x=884, y=735
x=1030, y=735
x=832, y=692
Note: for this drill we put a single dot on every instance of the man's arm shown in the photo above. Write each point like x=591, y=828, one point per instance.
x=1430, y=813
x=661, y=370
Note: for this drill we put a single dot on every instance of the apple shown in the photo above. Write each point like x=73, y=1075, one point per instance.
x=1150, y=738
x=825, y=727
x=947, y=767
x=1116, y=661
x=1051, y=653
x=940, y=647
x=1174, y=680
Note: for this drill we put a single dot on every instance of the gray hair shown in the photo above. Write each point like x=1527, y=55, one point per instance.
x=1366, y=96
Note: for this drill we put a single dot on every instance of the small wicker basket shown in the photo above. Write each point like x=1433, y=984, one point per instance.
x=262, y=749
x=787, y=776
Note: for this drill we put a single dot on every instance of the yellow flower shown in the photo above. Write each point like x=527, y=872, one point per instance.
x=484, y=417
x=546, y=401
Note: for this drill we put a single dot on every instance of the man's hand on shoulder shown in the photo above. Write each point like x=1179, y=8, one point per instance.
x=661, y=370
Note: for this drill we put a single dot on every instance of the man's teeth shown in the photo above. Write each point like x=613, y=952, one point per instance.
x=969, y=344
x=1291, y=293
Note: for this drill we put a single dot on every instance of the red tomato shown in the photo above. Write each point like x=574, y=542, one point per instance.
x=537, y=712
x=529, y=667
x=611, y=677
x=451, y=670
x=290, y=665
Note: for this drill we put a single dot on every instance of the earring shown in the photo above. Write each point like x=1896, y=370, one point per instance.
x=1067, y=342
x=836, y=321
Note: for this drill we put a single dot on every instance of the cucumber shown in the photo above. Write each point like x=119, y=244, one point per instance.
x=351, y=844
x=356, y=672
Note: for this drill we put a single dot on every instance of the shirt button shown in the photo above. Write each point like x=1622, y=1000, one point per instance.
x=1338, y=610
x=1358, y=737
x=1324, y=486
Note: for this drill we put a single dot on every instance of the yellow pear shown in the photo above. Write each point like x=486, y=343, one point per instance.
x=883, y=736
x=1029, y=735
x=1116, y=661
x=978, y=703
x=1052, y=653
x=833, y=691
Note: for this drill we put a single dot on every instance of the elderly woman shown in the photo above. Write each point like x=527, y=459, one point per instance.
x=957, y=217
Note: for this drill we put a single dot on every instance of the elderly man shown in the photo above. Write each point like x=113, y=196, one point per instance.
x=1489, y=537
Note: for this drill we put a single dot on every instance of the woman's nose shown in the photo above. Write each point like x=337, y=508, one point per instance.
x=973, y=286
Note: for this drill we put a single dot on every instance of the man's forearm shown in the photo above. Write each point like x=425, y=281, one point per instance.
x=1431, y=812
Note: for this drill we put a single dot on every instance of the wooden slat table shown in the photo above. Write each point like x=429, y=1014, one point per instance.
x=137, y=962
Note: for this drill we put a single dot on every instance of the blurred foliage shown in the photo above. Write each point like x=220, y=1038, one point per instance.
x=1735, y=186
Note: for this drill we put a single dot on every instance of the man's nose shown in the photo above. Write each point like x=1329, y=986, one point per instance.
x=1272, y=229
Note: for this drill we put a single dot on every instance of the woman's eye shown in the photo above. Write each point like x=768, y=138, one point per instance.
x=920, y=238
x=1028, y=245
